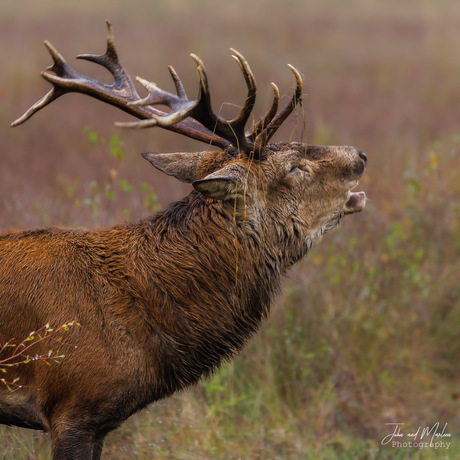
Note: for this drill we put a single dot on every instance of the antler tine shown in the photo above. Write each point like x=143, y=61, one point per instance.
x=111, y=62
x=177, y=81
x=44, y=101
x=60, y=67
x=204, y=113
x=242, y=118
x=267, y=118
x=277, y=121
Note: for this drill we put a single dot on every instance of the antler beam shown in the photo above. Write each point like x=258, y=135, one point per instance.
x=192, y=118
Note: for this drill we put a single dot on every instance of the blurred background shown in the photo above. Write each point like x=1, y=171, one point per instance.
x=366, y=330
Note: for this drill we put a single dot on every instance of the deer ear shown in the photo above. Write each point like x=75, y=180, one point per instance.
x=183, y=166
x=224, y=184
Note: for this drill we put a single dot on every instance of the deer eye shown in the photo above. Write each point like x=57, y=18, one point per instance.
x=300, y=170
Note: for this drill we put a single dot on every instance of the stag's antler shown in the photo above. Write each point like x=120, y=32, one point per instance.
x=193, y=118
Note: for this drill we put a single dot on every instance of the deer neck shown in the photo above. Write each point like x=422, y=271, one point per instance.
x=210, y=281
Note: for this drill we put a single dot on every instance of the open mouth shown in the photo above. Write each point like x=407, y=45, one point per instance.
x=356, y=201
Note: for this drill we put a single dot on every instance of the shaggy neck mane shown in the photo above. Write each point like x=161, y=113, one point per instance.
x=202, y=265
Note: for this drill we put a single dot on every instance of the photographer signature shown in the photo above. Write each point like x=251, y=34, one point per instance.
x=435, y=431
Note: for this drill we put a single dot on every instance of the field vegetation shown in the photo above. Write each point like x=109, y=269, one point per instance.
x=367, y=328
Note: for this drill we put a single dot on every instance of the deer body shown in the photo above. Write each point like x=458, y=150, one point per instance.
x=146, y=298
x=163, y=301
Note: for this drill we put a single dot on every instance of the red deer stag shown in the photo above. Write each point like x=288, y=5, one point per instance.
x=162, y=302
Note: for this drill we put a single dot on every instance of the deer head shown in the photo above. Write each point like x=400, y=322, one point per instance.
x=303, y=189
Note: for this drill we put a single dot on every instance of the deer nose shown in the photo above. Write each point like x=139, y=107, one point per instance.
x=363, y=157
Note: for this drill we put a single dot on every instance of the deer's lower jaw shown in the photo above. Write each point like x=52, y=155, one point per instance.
x=355, y=203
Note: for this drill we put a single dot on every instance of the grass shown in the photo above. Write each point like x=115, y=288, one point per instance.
x=366, y=329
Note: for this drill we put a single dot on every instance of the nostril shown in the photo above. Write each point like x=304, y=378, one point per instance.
x=363, y=156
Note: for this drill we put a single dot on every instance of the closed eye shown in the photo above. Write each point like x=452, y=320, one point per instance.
x=304, y=171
